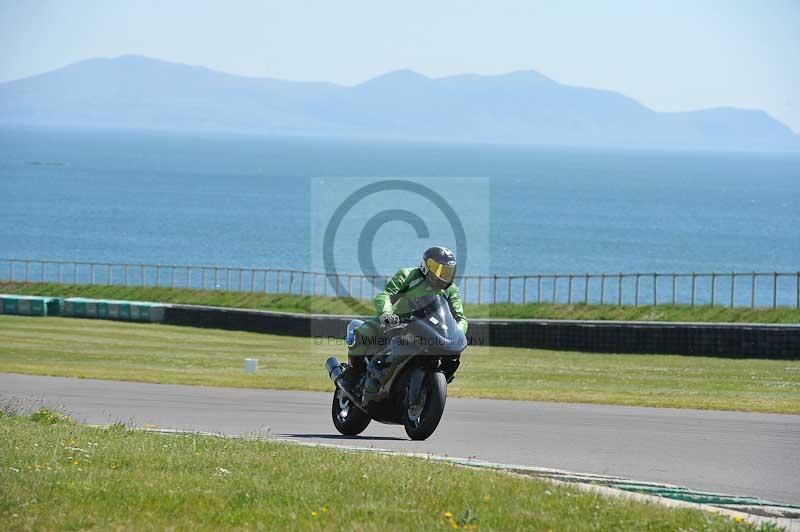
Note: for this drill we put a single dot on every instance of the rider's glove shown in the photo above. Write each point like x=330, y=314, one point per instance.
x=389, y=320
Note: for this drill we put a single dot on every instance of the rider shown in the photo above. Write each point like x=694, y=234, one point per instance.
x=435, y=275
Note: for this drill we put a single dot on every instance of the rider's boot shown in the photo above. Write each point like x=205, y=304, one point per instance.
x=377, y=371
x=350, y=379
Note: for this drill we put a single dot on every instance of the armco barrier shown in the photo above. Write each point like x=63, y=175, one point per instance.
x=29, y=305
x=735, y=340
x=262, y=321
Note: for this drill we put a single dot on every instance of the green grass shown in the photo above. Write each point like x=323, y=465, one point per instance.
x=323, y=305
x=183, y=355
x=59, y=475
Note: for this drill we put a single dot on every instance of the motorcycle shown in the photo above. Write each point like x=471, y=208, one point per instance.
x=422, y=354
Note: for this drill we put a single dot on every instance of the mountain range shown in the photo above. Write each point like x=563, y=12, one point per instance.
x=521, y=107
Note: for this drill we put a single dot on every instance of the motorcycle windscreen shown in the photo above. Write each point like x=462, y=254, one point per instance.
x=435, y=325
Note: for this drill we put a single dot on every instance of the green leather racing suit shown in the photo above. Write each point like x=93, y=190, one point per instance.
x=406, y=285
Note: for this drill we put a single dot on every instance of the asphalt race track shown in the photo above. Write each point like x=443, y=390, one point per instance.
x=730, y=452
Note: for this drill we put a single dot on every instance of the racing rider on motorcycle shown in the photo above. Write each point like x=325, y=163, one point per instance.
x=435, y=275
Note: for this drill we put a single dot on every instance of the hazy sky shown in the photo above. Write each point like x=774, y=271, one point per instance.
x=671, y=55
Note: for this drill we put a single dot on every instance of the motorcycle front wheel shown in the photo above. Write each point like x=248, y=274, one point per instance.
x=347, y=417
x=422, y=416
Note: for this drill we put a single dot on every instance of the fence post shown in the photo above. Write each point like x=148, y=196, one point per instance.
x=775, y=290
x=361, y=288
x=92, y=274
x=586, y=289
x=713, y=288
x=753, y=290
x=241, y=272
x=494, y=289
x=602, y=288
x=555, y=288
x=636, y=290
x=27, y=267
x=673, y=288
x=524, y=289
x=203, y=278
x=694, y=283
x=227, y=278
x=509, y=289
x=619, y=289
x=314, y=284
x=60, y=279
x=109, y=279
x=569, y=291
x=655, y=289
x=158, y=275
x=538, y=288
x=125, y=280
x=374, y=279
x=188, y=280
x=74, y=273
x=733, y=287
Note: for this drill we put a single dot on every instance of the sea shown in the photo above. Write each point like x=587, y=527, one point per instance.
x=371, y=206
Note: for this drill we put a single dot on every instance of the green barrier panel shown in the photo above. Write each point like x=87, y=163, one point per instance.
x=29, y=305
x=123, y=311
x=9, y=306
x=75, y=309
x=112, y=309
x=54, y=306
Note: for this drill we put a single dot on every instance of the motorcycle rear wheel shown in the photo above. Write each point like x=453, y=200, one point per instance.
x=347, y=417
x=420, y=420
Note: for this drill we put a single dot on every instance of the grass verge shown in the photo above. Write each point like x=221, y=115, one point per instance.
x=182, y=355
x=60, y=475
x=326, y=305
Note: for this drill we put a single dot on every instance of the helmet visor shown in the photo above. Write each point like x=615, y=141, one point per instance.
x=442, y=271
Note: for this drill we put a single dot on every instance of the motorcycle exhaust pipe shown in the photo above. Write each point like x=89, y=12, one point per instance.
x=335, y=372
x=334, y=369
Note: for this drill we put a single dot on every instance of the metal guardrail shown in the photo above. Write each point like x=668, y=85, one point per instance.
x=731, y=289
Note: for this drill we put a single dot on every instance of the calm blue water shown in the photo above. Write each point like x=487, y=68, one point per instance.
x=246, y=201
